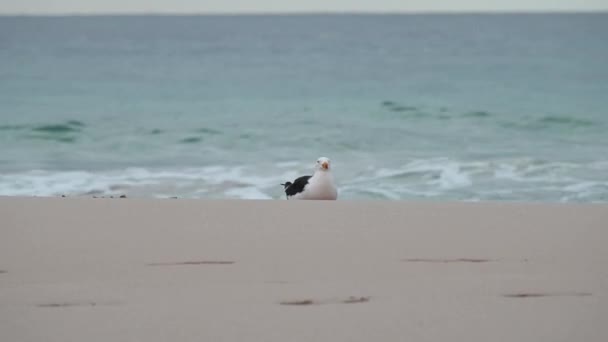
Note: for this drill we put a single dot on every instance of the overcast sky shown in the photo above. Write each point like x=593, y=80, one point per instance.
x=249, y=6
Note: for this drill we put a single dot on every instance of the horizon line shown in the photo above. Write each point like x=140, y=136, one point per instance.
x=298, y=13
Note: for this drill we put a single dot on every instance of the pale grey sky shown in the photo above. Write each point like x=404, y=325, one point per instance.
x=257, y=6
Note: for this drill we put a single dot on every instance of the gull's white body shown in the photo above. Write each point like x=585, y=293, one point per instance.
x=320, y=187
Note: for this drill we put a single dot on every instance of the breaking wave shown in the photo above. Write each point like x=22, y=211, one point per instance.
x=520, y=179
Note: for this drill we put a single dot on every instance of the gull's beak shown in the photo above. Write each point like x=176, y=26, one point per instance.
x=325, y=165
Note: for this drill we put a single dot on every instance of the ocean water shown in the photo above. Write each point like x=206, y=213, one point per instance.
x=509, y=107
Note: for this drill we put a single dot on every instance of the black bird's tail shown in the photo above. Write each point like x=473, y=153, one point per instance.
x=285, y=186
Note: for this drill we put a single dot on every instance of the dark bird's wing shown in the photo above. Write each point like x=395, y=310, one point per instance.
x=297, y=186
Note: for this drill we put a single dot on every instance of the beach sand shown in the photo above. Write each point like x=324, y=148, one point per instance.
x=196, y=270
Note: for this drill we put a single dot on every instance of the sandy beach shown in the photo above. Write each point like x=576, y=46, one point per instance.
x=194, y=270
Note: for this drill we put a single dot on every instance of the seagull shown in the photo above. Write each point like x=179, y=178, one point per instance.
x=319, y=186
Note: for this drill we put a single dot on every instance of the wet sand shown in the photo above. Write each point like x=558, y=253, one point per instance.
x=194, y=270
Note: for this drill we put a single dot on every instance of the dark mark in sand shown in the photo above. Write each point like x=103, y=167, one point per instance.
x=546, y=294
x=76, y=304
x=471, y=260
x=298, y=302
x=204, y=262
x=348, y=300
x=3, y=271
x=65, y=305
x=352, y=300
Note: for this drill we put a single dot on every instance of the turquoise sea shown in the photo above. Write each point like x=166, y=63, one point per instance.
x=509, y=107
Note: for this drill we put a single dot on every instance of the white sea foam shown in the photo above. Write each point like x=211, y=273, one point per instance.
x=451, y=177
x=441, y=178
x=208, y=181
x=250, y=192
x=501, y=179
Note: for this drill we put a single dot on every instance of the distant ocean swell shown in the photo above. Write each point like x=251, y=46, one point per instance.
x=69, y=130
x=443, y=107
x=438, y=178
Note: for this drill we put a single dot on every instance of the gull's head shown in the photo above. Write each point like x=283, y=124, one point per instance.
x=323, y=164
